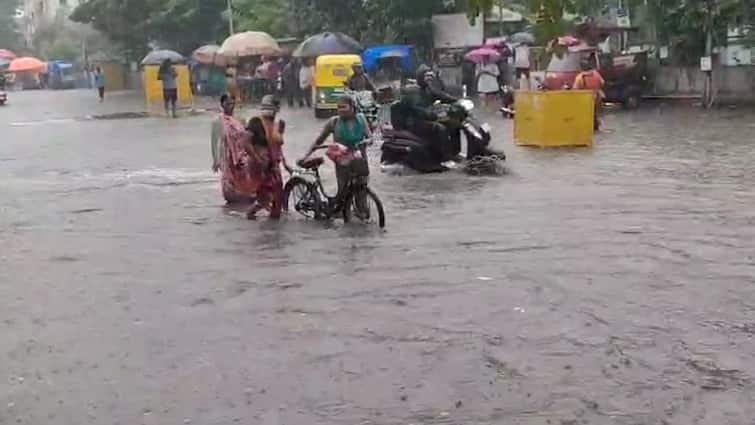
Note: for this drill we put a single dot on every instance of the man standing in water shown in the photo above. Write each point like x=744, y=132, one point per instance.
x=168, y=76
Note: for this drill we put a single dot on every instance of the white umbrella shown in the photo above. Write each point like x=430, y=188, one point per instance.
x=250, y=43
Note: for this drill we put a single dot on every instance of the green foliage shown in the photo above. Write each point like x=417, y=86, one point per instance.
x=176, y=24
x=10, y=38
x=270, y=16
x=185, y=24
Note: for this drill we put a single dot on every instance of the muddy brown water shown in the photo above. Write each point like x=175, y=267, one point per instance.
x=614, y=285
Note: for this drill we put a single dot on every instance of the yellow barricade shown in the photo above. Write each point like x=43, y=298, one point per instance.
x=554, y=118
x=153, y=88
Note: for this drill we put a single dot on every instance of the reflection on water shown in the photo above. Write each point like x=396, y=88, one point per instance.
x=613, y=282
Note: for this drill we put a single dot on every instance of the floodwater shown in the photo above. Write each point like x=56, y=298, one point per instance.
x=613, y=285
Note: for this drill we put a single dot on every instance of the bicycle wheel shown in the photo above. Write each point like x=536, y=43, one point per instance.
x=364, y=205
x=302, y=197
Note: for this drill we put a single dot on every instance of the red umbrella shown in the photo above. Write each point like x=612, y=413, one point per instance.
x=568, y=40
x=7, y=54
x=478, y=55
x=209, y=55
x=27, y=64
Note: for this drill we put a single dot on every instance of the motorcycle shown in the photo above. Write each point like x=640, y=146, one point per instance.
x=404, y=148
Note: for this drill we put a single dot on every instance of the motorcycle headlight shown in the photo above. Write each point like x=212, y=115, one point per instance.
x=467, y=104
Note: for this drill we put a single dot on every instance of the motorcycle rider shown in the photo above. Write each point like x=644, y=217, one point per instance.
x=408, y=115
x=431, y=90
x=359, y=81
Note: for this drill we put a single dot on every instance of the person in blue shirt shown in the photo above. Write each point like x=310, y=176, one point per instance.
x=168, y=76
x=99, y=82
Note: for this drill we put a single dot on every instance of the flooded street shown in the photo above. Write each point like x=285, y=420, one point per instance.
x=613, y=285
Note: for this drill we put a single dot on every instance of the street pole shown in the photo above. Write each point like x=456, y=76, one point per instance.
x=708, y=90
x=230, y=17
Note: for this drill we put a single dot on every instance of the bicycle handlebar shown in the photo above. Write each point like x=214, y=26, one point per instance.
x=327, y=145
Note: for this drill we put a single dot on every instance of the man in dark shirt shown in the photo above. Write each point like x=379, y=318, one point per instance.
x=407, y=114
x=360, y=81
x=431, y=90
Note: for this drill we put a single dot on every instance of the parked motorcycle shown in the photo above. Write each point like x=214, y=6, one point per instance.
x=405, y=148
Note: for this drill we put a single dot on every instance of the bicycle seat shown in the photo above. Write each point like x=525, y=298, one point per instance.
x=312, y=163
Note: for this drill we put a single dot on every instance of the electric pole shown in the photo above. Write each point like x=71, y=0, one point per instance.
x=230, y=17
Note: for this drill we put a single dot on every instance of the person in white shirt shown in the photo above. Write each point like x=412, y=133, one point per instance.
x=522, y=61
x=306, y=74
x=487, y=80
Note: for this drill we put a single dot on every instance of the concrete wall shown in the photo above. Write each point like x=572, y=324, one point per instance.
x=733, y=84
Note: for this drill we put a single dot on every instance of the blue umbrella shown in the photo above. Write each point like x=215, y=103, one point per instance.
x=328, y=43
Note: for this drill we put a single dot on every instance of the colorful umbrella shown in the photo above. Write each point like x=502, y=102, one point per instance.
x=250, y=43
x=27, y=64
x=157, y=57
x=568, y=40
x=496, y=41
x=209, y=55
x=7, y=54
x=328, y=43
x=478, y=55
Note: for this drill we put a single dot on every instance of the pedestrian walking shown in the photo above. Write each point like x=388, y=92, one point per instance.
x=487, y=80
x=99, y=82
x=229, y=156
x=267, y=137
x=168, y=76
x=522, y=63
x=290, y=76
x=306, y=74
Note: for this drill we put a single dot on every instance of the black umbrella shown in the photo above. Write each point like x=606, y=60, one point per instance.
x=328, y=43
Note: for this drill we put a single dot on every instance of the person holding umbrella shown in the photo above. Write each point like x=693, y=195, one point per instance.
x=168, y=76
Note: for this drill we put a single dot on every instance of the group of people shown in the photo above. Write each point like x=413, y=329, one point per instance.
x=287, y=77
x=166, y=74
x=249, y=156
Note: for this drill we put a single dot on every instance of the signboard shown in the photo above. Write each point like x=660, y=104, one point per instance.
x=456, y=31
x=706, y=64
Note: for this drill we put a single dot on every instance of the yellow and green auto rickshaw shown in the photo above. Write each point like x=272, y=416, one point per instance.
x=331, y=74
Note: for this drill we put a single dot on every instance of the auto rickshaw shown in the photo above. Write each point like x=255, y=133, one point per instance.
x=331, y=74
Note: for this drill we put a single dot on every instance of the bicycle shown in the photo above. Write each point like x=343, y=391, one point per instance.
x=305, y=193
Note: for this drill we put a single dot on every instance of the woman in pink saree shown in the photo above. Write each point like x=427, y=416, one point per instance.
x=229, y=156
